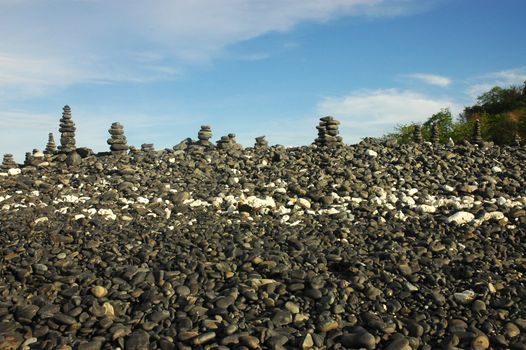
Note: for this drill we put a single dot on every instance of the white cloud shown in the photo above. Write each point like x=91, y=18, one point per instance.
x=504, y=78
x=57, y=43
x=431, y=79
x=376, y=112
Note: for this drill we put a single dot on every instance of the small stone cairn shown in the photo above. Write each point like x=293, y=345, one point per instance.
x=261, y=143
x=117, y=141
x=516, y=140
x=417, y=134
x=228, y=142
x=328, y=132
x=204, y=135
x=51, y=146
x=147, y=147
x=29, y=159
x=8, y=162
x=477, y=135
x=435, y=134
x=67, y=138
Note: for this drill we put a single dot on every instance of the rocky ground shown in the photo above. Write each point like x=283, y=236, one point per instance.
x=373, y=246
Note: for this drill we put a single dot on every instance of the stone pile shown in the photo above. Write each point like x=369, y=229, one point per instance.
x=147, y=147
x=67, y=138
x=477, y=135
x=261, y=143
x=28, y=160
x=51, y=146
x=8, y=162
x=117, y=141
x=417, y=134
x=328, y=132
x=435, y=134
x=367, y=246
x=204, y=135
x=67, y=132
x=228, y=143
x=516, y=140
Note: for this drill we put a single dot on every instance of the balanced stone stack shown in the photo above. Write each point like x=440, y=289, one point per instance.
x=117, y=141
x=147, y=147
x=224, y=143
x=477, y=135
x=261, y=143
x=51, y=147
x=28, y=159
x=204, y=135
x=417, y=134
x=8, y=162
x=38, y=156
x=67, y=132
x=328, y=132
x=435, y=134
x=233, y=142
x=516, y=140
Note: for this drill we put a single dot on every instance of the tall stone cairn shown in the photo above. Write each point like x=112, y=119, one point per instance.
x=328, y=132
x=67, y=132
x=51, y=146
x=204, y=135
x=8, y=162
x=117, y=141
x=417, y=134
x=261, y=142
x=435, y=134
x=477, y=135
x=516, y=140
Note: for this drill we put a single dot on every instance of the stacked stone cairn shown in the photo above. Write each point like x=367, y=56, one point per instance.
x=29, y=159
x=117, y=141
x=147, y=147
x=516, y=140
x=417, y=134
x=8, y=162
x=435, y=134
x=51, y=146
x=477, y=135
x=204, y=135
x=67, y=138
x=328, y=132
x=38, y=156
x=261, y=143
x=228, y=142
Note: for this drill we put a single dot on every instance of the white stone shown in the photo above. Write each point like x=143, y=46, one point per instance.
x=501, y=201
x=371, y=153
x=69, y=198
x=449, y=188
x=461, y=217
x=496, y=169
x=79, y=216
x=494, y=215
x=171, y=160
x=41, y=220
x=423, y=208
x=412, y=191
x=14, y=171
x=142, y=200
x=408, y=200
x=303, y=203
x=464, y=297
x=107, y=214
x=255, y=202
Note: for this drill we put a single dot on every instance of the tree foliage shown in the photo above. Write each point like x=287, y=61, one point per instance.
x=501, y=111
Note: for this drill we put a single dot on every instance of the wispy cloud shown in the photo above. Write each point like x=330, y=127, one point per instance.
x=430, y=79
x=48, y=45
x=504, y=78
x=374, y=112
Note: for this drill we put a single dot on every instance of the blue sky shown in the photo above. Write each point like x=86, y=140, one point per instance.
x=253, y=67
